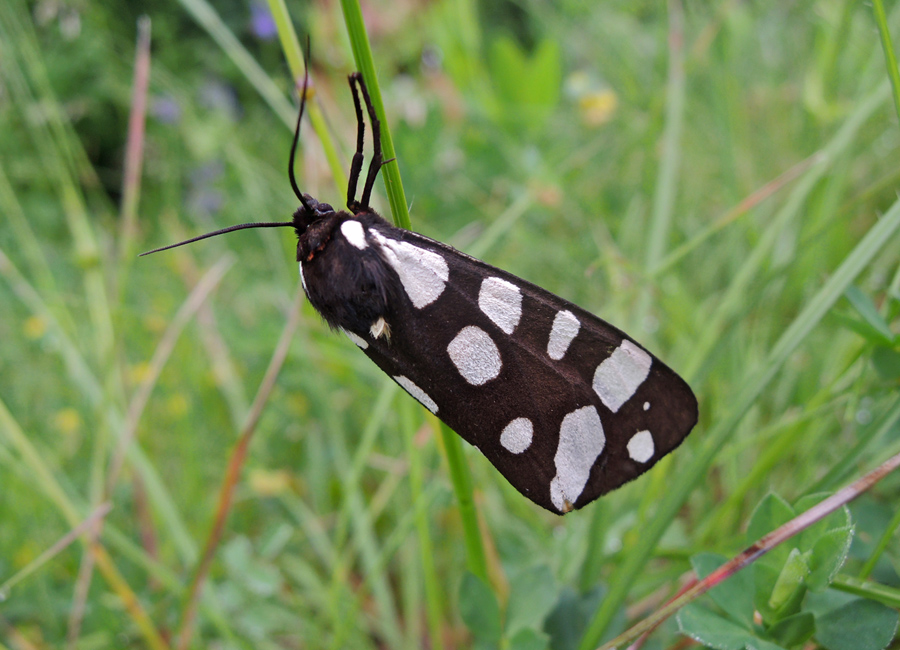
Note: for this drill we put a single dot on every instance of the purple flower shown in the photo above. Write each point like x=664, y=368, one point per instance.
x=261, y=22
x=165, y=109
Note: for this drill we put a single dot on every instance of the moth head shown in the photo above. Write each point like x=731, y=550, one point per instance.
x=309, y=212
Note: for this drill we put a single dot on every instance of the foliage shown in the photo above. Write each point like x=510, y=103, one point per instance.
x=774, y=589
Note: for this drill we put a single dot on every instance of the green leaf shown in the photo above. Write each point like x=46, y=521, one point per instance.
x=859, y=326
x=858, y=625
x=714, y=631
x=772, y=512
x=828, y=556
x=866, y=308
x=794, y=630
x=528, y=87
x=479, y=608
x=532, y=593
x=529, y=639
x=887, y=362
x=790, y=579
x=826, y=543
x=735, y=595
x=568, y=620
x=839, y=519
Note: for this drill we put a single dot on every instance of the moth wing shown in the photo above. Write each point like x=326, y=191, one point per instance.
x=563, y=404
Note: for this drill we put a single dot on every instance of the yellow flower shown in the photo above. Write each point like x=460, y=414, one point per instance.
x=177, y=405
x=269, y=483
x=598, y=107
x=138, y=372
x=34, y=327
x=67, y=421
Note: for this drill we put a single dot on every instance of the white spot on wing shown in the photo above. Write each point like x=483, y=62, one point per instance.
x=501, y=301
x=423, y=273
x=646, y=406
x=516, y=436
x=565, y=329
x=353, y=231
x=475, y=355
x=417, y=392
x=619, y=376
x=581, y=441
x=360, y=342
x=641, y=447
x=302, y=279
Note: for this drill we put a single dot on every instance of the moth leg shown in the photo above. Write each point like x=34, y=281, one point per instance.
x=377, y=158
x=356, y=165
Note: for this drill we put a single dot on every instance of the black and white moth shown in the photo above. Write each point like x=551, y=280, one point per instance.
x=565, y=405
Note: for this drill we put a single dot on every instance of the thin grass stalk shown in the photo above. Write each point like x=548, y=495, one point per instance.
x=233, y=473
x=883, y=543
x=125, y=438
x=46, y=480
x=875, y=431
x=362, y=53
x=890, y=59
x=354, y=521
x=384, y=619
x=48, y=554
x=56, y=150
x=870, y=590
x=735, y=296
x=665, y=195
x=134, y=148
x=461, y=477
x=161, y=354
x=773, y=451
x=741, y=209
x=633, y=563
x=433, y=600
x=207, y=17
x=290, y=45
x=83, y=377
x=367, y=547
x=77, y=368
x=28, y=245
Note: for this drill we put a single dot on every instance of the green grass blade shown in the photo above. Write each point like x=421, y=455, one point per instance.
x=890, y=59
x=433, y=600
x=362, y=53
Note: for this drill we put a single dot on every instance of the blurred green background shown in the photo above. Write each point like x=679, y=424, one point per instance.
x=696, y=174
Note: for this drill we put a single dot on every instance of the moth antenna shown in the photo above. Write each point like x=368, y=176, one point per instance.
x=291, y=176
x=243, y=226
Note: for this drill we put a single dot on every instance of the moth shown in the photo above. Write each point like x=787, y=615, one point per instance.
x=566, y=406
